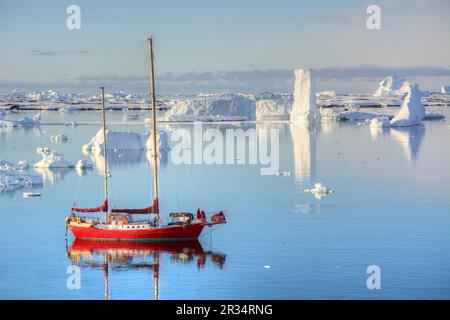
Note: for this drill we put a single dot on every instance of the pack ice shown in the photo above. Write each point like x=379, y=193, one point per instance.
x=13, y=175
x=24, y=122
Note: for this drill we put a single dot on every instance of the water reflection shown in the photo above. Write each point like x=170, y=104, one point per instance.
x=410, y=138
x=304, y=141
x=52, y=175
x=116, y=256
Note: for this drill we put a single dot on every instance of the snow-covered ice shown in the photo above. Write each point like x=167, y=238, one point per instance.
x=304, y=108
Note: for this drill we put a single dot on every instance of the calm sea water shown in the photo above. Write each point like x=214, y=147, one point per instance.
x=391, y=208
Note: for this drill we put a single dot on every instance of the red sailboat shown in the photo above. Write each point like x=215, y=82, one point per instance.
x=121, y=224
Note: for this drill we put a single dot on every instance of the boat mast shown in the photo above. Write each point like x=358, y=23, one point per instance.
x=152, y=93
x=105, y=148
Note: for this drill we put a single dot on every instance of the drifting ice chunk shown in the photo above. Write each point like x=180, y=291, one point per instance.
x=2, y=114
x=31, y=194
x=380, y=122
x=411, y=112
x=320, y=190
x=23, y=165
x=58, y=138
x=356, y=116
x=131, y=117
x=12, y=176
x=304, y=108
x=24, y=122
x=125, y=141
x=51, y=159
x=433, y=116
x=83, y=164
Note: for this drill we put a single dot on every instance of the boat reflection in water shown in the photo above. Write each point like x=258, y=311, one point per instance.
x=123, y=255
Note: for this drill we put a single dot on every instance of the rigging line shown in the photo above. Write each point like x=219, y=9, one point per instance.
x=137, y=49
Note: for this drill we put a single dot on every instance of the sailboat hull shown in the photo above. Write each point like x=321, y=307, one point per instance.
x=166, y=233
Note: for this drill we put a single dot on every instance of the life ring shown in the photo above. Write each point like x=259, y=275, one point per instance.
x=78, y=220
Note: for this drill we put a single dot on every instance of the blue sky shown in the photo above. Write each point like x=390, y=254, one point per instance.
x=214, y=41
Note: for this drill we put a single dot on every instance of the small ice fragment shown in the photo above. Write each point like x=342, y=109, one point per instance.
x=23, y=165
x=83, y=164
x=130, y=117
x=380, y=122
x=320, y=190
x=284, y=173
x=31, y=194
x=58, y=138
x=267, y=267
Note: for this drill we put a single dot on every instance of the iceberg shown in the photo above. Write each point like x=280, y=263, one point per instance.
x=51, y=159
x=274, y=108
x=445, y=89
x=118, y=140
x=411, y=112
x=391, y=86
x=304, y=108
x=212, y=109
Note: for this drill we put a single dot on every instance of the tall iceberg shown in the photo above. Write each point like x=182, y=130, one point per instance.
x=304, y=108
x=411, y=112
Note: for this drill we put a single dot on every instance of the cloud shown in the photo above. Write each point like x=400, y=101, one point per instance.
x=52, y=53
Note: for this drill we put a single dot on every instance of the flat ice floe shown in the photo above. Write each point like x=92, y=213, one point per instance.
x=118, y=140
